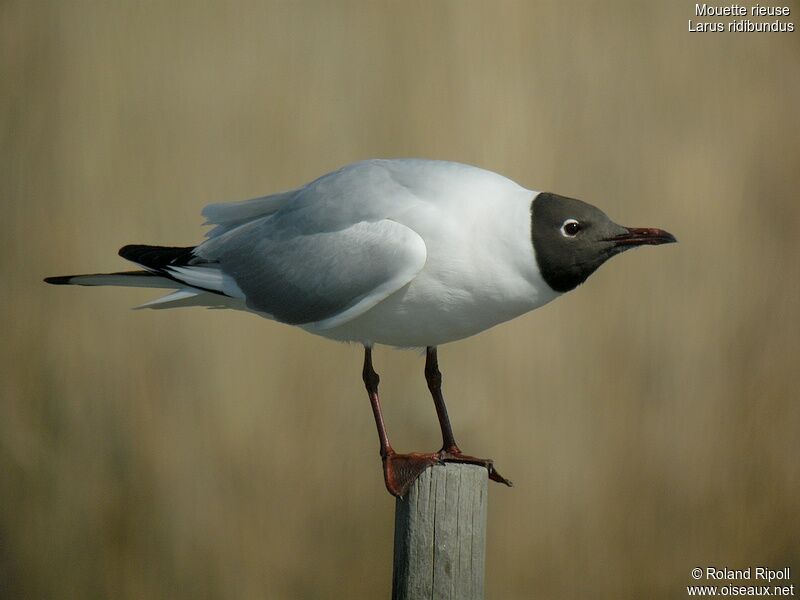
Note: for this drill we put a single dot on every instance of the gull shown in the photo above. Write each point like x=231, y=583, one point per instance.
x=409, y=253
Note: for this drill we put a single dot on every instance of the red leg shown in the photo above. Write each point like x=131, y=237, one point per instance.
x=450, y=451
x=399, y=470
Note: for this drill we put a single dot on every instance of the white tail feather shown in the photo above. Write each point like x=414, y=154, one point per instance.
x=134, y=279
x=181, y=294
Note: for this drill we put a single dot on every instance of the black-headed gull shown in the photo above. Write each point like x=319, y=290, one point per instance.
x=404, y=252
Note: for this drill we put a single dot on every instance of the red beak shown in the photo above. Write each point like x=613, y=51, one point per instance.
x=640, y=236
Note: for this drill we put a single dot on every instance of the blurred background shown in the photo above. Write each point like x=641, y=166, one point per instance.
x=649, y=420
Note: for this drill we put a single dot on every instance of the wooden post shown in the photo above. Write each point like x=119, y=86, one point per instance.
x=440, y=535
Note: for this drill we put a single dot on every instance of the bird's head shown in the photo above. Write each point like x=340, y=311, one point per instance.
x=572, y=239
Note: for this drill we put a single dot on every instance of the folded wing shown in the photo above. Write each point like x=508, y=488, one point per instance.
x=325, y=278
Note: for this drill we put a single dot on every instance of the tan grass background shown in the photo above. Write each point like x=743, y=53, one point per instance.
x=649, y=419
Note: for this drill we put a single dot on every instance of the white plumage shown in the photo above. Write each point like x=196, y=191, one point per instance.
x=404, y=252
x=410, y=253
x=398, y=252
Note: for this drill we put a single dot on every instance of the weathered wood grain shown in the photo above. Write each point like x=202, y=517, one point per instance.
x=440, y=535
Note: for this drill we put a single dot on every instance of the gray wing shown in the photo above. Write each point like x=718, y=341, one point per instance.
x=328, y=251
x=302, y=274
x=361, y=191
x=226, y=216
x=369, y=190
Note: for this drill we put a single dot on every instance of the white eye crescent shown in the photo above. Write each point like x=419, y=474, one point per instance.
x=570, y=228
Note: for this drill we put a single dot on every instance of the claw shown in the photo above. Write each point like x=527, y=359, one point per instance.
x=401, y=470
x=455, y=455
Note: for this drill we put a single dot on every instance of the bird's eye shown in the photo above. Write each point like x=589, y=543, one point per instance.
x=570, y=228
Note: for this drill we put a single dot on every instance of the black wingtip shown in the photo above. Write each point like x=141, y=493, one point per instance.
x=127, y=250
x=60, y=280
x=157, y=257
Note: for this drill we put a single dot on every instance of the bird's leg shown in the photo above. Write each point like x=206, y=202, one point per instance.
x=434, y=378
x=371, y=381
x=450, y=451
x=399, y=470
